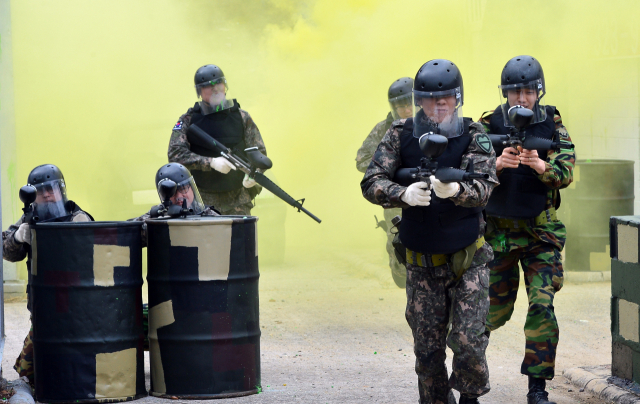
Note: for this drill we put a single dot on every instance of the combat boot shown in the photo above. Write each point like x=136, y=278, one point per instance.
x=537, y=393
x=464, y=399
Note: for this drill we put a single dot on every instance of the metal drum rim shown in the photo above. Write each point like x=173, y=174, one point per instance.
x=204, y=396
x=203, y=221
x=95, y=400
x=83, y=225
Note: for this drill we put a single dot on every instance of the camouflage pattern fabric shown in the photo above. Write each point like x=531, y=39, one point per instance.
x=398, y=270
x=363, y=158
x=365, y=152
x=24, y=362
x=543, y=277
x=558, y=175
x=14, y=251
x=238, y=200
x=378, y=186
x=537, y=249
x=433, y=295
x=435, y=300
x=208, y=211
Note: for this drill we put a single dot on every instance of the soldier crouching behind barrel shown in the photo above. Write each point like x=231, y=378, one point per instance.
x=50, y=205
x=186, y=193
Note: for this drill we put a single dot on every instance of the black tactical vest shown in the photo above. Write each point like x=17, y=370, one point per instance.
x=520, y=195
x=442, y=227
x=226, y=127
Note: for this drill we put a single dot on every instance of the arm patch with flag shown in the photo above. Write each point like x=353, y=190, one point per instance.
x=178, y=125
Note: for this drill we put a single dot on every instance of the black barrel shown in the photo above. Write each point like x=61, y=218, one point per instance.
x=600, y=189
x=204, y=331
x=87, y=312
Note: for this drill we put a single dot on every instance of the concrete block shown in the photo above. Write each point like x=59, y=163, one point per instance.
x=625, y=280
x=627, y=243
x=622, y=361
x=629, y=320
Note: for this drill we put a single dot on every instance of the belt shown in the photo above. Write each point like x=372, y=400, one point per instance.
x=433, y=260
x=547, y=216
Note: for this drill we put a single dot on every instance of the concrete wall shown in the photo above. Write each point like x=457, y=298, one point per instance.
x=14, y=274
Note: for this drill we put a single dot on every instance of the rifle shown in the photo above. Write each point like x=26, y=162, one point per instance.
x=28, y=195
x=167, y=189
x=521, y=117
x=432, y=147
x=257, y=161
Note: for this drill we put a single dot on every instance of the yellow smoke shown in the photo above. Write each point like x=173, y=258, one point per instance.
x=99, y=86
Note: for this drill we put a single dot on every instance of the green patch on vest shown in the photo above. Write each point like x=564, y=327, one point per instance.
x=484, y=143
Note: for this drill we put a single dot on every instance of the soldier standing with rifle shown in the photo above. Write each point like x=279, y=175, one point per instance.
x=45, y=199
x=447, y=276
x=523, y=225
x=221, y=184
x=399, y=97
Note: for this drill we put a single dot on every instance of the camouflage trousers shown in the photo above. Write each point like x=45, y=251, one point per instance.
x=398, y=271
x=236, y=202
x=24, y=362
x=543, y=277
x=435, y=301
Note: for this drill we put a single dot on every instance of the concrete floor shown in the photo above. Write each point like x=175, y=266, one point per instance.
x=333, y=331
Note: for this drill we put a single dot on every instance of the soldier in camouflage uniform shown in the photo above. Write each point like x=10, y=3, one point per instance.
x=525, y=227
x=399, y=96
x=186, y=190
x=221, y=185
x=51, y=204
x=447, y=276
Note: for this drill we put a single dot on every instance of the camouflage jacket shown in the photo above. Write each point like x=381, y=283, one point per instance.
x=209, y=211
x=179, y=150
x=378, y=186
x=558, y=174
x=13, y=250
x=365, y=152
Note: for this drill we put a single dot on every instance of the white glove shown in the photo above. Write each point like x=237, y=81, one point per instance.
x=417, y=193
x=81, y=218
x=248, y=182
x=444, y=190
x=222, y=165
x=23, y=234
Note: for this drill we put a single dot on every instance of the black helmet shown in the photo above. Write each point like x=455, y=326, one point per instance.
x=185, y=183
x=400, y=87
x=208, y=73
x=45, y=173
x=51, y=201
x=522, y=83
x=400, y=97
x=438, y=75
x=173, y=171
x=522, y=70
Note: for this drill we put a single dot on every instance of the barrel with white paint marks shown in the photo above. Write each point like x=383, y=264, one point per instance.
x=204, y=333
x=87, y=312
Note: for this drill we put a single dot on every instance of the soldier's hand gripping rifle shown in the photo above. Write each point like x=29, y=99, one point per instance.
x=28, y=195
x=432, y=147
x=257, y=161
x=521, y=117
x=167, y=189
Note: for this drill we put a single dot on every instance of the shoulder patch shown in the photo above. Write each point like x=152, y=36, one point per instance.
x=483, y=142
x=177, y=126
